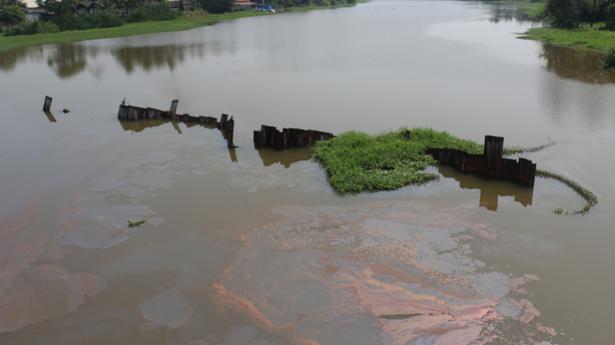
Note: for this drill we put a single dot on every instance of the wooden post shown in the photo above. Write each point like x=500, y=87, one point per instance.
x=173, y=109
x=47, y=104
x=527, y=172
x=229, y=131
x=494, y=147
x=223, y=121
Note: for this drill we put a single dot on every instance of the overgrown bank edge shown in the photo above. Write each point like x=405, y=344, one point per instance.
x=358, y=162
x=585, y=36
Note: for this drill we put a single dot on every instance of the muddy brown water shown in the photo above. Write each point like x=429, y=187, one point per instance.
x=253, y=247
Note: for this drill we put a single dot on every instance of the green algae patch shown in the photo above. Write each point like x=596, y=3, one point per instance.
x=590, y=198
x=357, y=162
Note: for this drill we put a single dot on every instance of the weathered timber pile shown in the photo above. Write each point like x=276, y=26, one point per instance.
x=270, y=137
x=490, y=163
x=226, y=125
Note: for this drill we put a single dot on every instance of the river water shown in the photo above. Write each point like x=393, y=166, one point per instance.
x=253, y=247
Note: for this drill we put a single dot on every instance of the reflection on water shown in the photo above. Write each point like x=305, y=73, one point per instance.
x=50, y=116
x=69, y=60
x=149, y=57
x=506, y=12
x=285, y=158
x=140, y=126
x=10, y=59
x=490, y=190
x=577, y=64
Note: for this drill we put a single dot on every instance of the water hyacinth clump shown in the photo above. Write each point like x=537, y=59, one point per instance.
x=357, y=162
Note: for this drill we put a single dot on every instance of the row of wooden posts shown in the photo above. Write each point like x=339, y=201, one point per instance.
x=226, y=124
x=491, y=163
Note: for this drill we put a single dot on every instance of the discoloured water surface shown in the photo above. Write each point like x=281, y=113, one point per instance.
x=380, y=273
x=252, y=246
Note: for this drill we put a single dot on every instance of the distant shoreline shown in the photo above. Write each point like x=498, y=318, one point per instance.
x=180, y=24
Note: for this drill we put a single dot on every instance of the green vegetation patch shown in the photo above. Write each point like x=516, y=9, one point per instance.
x=136, y=222
x=357, y=162
x=583, y=37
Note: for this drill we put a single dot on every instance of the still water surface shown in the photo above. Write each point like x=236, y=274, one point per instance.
x=253, y=247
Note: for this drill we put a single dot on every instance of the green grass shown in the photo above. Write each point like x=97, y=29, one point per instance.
x=357, y=162
x=182, y=23
x=583, y=37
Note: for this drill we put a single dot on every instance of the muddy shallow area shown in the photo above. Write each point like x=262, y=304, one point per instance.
x=252, y=246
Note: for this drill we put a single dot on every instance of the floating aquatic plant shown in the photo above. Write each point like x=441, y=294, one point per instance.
x=136, y=222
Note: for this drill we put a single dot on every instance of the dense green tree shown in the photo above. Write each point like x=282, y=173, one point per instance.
x=216, y=6
x=564, y=13
x=11, y=15
x=610, y=17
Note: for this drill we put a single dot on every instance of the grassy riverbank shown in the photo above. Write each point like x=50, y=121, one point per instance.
x=185, y=22
x=584, y=37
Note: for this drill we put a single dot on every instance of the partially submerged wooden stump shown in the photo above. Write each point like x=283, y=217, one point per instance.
x=490, y=163
x=47, y=104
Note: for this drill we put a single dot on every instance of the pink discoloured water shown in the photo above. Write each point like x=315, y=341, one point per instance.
x=405, y=270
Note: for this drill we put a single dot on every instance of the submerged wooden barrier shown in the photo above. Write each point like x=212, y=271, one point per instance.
x=490, y=163
x=226, y=125
x=270, y=137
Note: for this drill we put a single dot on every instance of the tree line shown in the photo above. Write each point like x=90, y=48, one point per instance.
x=572, y=13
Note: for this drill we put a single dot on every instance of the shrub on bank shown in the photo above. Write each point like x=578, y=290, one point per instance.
x=609, y=60
x=151, y=12
x=31, y=28
x=22, y=28
x=104, y=19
